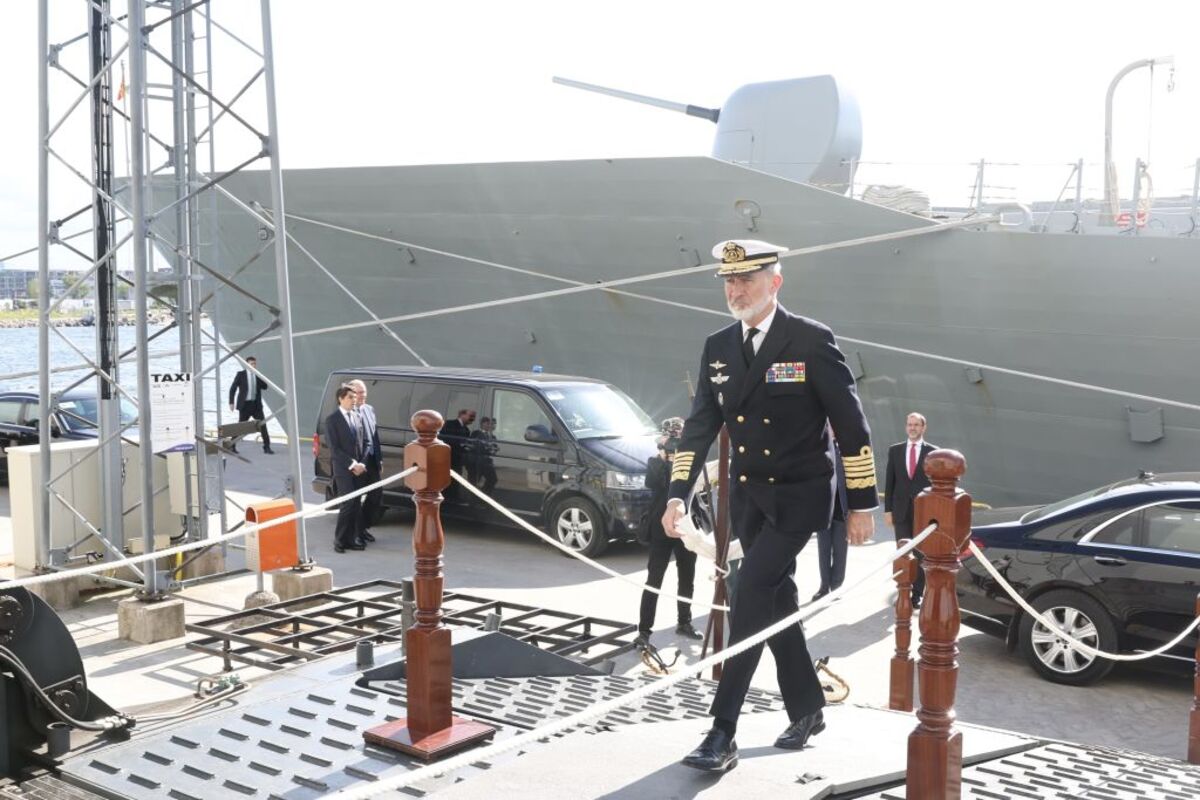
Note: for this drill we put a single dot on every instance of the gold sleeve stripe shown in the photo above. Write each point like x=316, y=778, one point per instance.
x=860, y=483
x=866, y=473
x=681, y=474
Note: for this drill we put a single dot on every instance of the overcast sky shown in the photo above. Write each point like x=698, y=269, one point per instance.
x=940, y=84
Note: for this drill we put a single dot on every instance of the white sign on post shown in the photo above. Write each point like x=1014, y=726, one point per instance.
x=172, y=408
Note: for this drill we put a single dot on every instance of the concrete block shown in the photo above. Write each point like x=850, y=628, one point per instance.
x=61, y=595
x=147, y=623
x=290, y=584
x=210, y=562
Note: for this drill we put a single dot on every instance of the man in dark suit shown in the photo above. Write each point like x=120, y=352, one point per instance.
x=457, y=433
x=905, y=480
x=484, y=446
x=777, y=382
x=346, y=456
x=372, y=502
x=245, y=397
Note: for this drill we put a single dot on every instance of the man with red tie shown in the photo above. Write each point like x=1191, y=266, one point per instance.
x=905, y=480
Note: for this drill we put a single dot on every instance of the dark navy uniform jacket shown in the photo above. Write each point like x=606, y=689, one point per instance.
x=776, y=411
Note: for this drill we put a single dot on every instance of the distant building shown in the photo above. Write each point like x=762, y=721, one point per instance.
x=15, y=283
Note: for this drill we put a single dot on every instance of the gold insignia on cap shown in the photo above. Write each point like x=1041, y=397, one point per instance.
x=733, y=253
x=860, y=469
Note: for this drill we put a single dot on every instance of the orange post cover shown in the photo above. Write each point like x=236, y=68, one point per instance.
x=274, y=547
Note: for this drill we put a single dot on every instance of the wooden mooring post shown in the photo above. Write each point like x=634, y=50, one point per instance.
x=935, y=746
x=1193, y=755
x=431, y=730
x=900, y=691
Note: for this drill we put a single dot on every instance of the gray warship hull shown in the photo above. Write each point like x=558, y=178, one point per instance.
x=464, y=260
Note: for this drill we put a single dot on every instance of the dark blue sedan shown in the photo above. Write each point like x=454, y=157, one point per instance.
x=1117, y=568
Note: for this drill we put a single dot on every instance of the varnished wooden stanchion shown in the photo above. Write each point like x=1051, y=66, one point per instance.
x=430, y=730
x=1194, y=727
x=900, y=692
x=935, y=746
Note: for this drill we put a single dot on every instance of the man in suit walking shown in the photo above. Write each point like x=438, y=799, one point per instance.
x=245, y=397
x=372, y=503
x=777, y=382
x=905, y=480
x=346, y=456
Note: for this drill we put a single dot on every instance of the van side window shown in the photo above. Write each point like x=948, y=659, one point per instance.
x=462, y=397
x=514, y=412
x=433, y=396
x=390, y=399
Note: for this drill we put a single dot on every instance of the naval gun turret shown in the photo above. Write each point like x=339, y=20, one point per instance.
x=803, y=129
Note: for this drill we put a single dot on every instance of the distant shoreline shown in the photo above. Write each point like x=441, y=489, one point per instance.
x=28, y=318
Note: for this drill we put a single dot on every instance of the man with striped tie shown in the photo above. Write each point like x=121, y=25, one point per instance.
x=372, y=504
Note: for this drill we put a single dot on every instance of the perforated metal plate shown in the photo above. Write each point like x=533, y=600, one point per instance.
x=1076, y=772
x=301, y=736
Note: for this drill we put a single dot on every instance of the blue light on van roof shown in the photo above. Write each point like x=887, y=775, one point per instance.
x=537, y=369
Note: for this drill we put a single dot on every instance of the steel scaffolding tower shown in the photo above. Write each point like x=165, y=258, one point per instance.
x=152, y=216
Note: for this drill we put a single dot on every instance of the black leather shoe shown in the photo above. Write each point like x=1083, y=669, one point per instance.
x=686, y=630
x=820, y=593
x=642, y=641
x=341, y=548
x=268, y=451
x=367, y=537
x=796, y=735
x=717, y=753
x=916, y=603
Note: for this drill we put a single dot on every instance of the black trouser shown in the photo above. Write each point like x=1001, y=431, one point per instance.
x=765, y=594
x=346, y=532
x=372, y=502
x=831, y=554
x=485, y=472
x=661, y=548
x=904, y=530
x=253, y=409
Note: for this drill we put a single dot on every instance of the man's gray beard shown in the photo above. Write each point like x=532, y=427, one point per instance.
x=747, y=314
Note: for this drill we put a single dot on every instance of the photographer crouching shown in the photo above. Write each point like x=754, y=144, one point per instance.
x=658, y=479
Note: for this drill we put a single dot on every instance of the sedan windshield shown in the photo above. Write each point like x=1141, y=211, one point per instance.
x=597, y=410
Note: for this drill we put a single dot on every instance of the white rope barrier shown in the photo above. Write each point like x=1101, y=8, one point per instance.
x=580, y=556
x=105, y=566
x=558, y=726
x=1073, y=643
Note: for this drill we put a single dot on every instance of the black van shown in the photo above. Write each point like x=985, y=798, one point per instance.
x=568, y=452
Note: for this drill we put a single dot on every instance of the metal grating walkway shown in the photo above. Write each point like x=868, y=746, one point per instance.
x=1063, y=771
x=303, y=739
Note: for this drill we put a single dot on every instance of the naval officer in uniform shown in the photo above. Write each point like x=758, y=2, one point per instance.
x=777, y=381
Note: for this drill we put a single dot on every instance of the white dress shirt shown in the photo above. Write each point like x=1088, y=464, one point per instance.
x=761, y=327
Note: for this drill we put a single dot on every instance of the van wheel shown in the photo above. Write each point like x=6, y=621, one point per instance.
x=1082, y=618
x=579, y=525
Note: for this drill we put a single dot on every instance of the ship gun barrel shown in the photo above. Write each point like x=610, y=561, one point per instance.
x=710, y=114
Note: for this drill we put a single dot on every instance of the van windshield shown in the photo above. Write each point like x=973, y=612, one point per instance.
x=597, y=410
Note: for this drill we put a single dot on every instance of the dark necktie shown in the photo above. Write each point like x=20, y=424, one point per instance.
x=748, y=345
